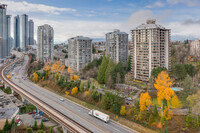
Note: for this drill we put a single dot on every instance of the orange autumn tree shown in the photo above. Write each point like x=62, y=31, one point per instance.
x=145, y=101
x=57, y=67
x=47, y=68
x=165, y=95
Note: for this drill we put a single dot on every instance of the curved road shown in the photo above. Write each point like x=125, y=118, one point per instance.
x=70, y=109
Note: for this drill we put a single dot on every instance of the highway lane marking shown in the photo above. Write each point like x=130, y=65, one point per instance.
x=114, y=122
x=65, y=108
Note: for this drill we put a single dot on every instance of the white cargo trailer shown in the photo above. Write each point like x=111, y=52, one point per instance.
x=99, y=115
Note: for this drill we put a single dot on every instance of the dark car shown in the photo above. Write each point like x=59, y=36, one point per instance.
x=31, y=113
x=45, y=120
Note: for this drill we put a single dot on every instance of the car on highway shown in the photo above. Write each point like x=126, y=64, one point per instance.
x=61, y=99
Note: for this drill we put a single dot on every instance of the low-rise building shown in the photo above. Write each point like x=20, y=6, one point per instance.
x=8, y=110
x=195, y=48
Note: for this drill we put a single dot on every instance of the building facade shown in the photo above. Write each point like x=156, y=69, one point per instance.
x=16, y=32
x=79, y=52
x=195, y=48
x=45, y=40
x=117, y=46
x=23, y=32
x=150, y=49
x=31, y=32
x=4, y=32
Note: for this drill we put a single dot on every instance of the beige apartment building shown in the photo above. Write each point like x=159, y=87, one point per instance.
x=79, y=52
x=150, y=49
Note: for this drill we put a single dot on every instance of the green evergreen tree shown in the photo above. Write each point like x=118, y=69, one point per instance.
x=111, y=65
x=157, y=70
x=119, y=69
x=51, y=130
x=7, y=126
x=155, y=111
x=102, y=69
x=35, y=125
x=41, y=125
x=129, y=63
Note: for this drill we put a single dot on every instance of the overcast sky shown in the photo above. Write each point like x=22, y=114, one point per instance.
x=94, y=18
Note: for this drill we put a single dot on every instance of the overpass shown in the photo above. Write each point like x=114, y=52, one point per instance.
x=68, y=124
x=72, y=117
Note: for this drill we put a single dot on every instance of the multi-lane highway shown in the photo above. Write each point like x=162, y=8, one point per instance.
x=70, y=109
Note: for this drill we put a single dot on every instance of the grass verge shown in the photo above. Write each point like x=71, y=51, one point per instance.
x=121, y=120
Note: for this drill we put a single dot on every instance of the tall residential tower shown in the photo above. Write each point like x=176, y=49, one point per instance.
x=150, y=49
x=117, y=46
x=31, y=32
x=16, y=32
x=79, y=52
x=45, y=40
x=23, y=32
x=4, y=32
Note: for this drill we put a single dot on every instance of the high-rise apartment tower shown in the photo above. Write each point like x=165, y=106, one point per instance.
x=150, y=49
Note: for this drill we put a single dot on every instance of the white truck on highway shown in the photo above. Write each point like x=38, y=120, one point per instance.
x=99, y=115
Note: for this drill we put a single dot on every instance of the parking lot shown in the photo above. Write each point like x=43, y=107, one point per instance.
x=28, y=120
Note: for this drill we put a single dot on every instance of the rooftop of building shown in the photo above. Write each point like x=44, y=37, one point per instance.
x=7, y=107
x=150, y=24
x=116, y=31
x=3, y=6
x=80, y=38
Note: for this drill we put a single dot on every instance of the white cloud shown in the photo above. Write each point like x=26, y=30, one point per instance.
x=25, y=7
x=156, y=4
x=178, y=29
x=187, y=2
x=66, y=29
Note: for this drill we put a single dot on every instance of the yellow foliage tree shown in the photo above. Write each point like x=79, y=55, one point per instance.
x=66, y=92
x=74, y=91
x=86, y=93
x=165, y=94
x=47, y=68
x=76, y=77
x=57, y=67
x=175, y=102
x=35, y=77
x=71, y=78
x=69, y=70
x=145, y=101
x=123, y=110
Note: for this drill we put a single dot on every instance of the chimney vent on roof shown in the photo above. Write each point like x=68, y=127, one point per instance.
x=151, y=21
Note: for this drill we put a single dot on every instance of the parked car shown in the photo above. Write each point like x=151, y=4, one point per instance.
x=45, y=120
x=129, y=99
x=101, y=89
x=19, y=123
x=31, y=113
x=37, y=116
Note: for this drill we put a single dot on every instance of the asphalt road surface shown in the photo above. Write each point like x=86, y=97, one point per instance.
x=70, y=109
